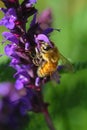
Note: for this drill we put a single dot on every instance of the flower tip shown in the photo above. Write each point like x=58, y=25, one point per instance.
x=33, y=1
x=41, y=37
x=30, y=3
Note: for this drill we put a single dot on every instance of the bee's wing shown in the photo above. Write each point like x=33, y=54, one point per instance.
x=66, y=64
x=55, y=77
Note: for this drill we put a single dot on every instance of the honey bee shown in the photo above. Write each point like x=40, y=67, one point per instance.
x=47, y=59
x=50, y=58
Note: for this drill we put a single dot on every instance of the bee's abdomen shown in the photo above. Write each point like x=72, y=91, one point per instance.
x=46, y=69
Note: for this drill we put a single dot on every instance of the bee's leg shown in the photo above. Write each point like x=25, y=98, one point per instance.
x=35, y=61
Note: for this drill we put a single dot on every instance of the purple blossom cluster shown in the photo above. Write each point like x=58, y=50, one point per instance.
x=11, y=104
x=23, y=40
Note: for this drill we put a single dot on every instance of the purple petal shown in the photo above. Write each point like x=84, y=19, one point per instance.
x=15, y=61
x=15, y=66
x=19, y=85
x=11, y=11
x=27, y=45
x=37, y=81
x=9, y=36
x=9, y=50
x=41, y=37
x=5, y=88
x=23, y=76
x=32, y=1
x=33, y=20
x=49, y=30
x=9, y=19
x=3, y=10
x=16, y=94
x=8, y=23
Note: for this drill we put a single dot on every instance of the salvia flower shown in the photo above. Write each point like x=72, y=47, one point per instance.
x=9, y=19
x=25, y=49
x=10, y=110
x=45, y=19
x=24, y=42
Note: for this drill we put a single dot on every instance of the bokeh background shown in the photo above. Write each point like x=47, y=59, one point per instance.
x=68, y=100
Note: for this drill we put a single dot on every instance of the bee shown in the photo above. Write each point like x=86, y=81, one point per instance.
x=49, y=58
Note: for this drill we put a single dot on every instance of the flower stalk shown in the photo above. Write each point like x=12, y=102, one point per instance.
x=48, y=120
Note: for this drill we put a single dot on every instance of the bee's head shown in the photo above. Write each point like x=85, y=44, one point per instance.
x=45, y=48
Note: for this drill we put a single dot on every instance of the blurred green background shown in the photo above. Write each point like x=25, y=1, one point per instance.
x=68, y=100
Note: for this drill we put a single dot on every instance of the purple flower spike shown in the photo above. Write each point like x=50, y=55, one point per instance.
x=27, y=51
x=9, y=19
x=10, y=100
